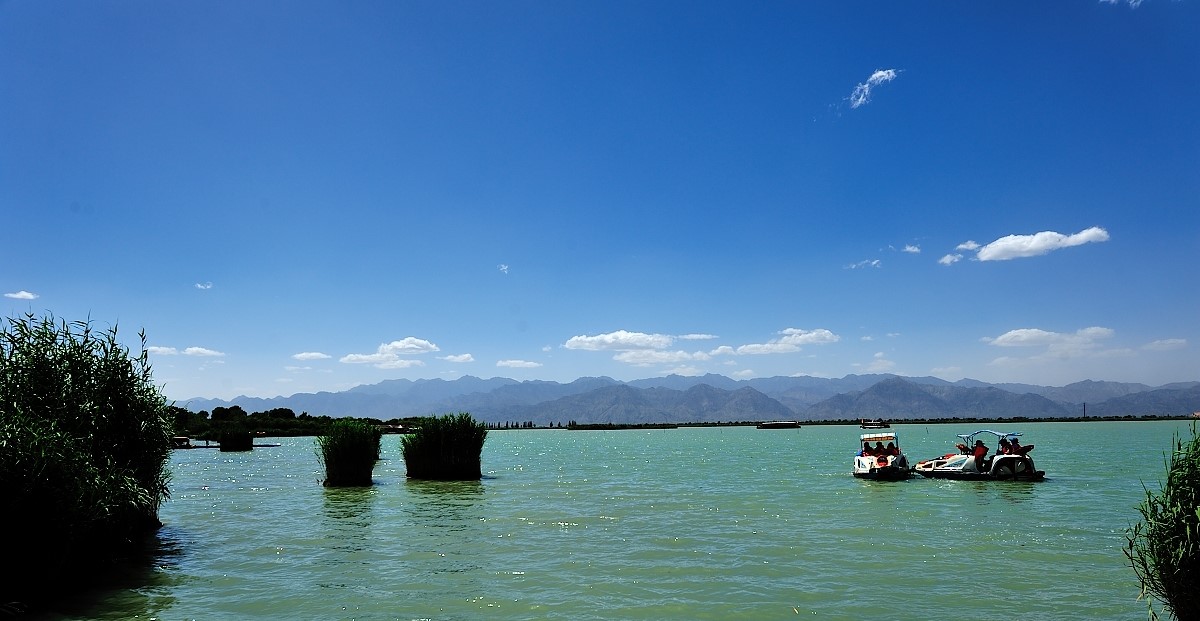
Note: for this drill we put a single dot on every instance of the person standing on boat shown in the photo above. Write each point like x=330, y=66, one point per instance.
x=981, y=451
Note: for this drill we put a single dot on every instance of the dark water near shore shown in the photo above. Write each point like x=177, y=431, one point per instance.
x=713, y=523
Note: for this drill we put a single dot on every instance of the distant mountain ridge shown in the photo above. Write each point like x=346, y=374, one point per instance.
x=712, y=398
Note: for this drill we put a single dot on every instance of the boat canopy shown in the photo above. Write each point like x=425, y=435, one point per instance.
x=967, y=437
x=878, y=437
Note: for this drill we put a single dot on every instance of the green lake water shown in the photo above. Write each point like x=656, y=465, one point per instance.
x=712, y=523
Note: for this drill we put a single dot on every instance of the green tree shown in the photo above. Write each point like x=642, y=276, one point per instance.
x=84, y=440
x=1164, y=548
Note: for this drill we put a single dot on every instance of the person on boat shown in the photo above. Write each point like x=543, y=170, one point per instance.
x=1005, y=448
x=1017, y=449
x=879, y=450
x=892, y=450
x=866, y=452
x=980, y=451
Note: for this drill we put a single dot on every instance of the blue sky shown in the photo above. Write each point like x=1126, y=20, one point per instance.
x=303, y=196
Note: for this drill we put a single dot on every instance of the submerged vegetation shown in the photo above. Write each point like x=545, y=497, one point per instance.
x=84, y=441
x=446, y=448
x=1164, y=548
x=349, y=452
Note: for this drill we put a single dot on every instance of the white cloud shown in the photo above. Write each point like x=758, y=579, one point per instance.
x=296, y=369
x=866, y=263
x=621, y=340
x=458, y=358
x=790, y=342
x=743, y=374
x=22, y=295
x=967, y=246
x=503, y=268
x=201, y=351
x=1021, y=246
x=518, y=364
x=1056, y=344
x=310, y=355
x=1165, y=345
x=880, y=364
x=862, y=93
x=697, y=337
x=950, y=259
x=190, y=351
x=911, y=249
x=1133, y=4
x=387, y=355
x=648, y=357
x=204, y=286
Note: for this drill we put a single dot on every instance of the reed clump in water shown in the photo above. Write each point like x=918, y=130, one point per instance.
x=445, y=448
x=84, y=440
x=236, y=440
x=349, y=452
x=1164, y=548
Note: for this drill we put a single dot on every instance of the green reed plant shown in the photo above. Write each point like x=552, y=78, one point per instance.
x=349, y=452
x=445, y=448
x=84, y=440
x=235, y=440
x=1164, y=548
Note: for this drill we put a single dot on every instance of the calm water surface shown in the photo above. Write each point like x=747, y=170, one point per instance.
x=714, y=523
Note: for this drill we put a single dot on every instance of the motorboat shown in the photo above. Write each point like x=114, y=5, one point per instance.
x=779, y=424
x=879, y=458
x=971, y=462
x=873, y=424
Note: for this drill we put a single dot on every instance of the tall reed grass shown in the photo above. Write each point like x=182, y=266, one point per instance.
x=1164, y=548
x=445, y=448
x=84, y=440
x=349, y=452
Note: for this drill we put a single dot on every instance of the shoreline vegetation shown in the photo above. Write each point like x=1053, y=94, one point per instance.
x=284, y=423
x=85, y=437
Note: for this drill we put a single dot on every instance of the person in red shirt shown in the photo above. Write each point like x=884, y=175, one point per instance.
x=980, y=451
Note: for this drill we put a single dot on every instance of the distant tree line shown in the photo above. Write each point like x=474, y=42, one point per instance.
x=276, y=422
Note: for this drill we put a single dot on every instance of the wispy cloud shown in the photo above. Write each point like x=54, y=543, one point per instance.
x=867, y=263
x=310, y=355
x=1022, y=246
x=793, y=340
x=458, y=358
x=202, y=352
x=388, y=355
x=862, y=93
x=911, y=249
x=1165, y=345
x=1133, y=4
x=1055, y=344
x=22, y=295
x=503, y=267
x=204, y=286
x=518, y=364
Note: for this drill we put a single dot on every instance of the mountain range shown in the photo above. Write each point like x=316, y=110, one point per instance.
x=715, y=398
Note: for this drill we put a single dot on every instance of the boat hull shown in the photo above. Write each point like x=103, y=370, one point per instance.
x=889, y=473
x=960, y=475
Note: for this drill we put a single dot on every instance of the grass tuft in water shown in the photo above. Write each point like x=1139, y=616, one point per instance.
x=349, y=452
x=1164, y=548
x=445, y=448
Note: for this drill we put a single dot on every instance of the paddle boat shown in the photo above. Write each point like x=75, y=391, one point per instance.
x=971, y=462
x=879, y=458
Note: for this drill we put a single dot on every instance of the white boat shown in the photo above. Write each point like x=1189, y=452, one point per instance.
x=972, y=463
x=873, y=424
x=880, y=458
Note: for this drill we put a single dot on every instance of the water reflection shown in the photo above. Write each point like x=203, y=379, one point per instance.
x=447, y=518
x=348, y=515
